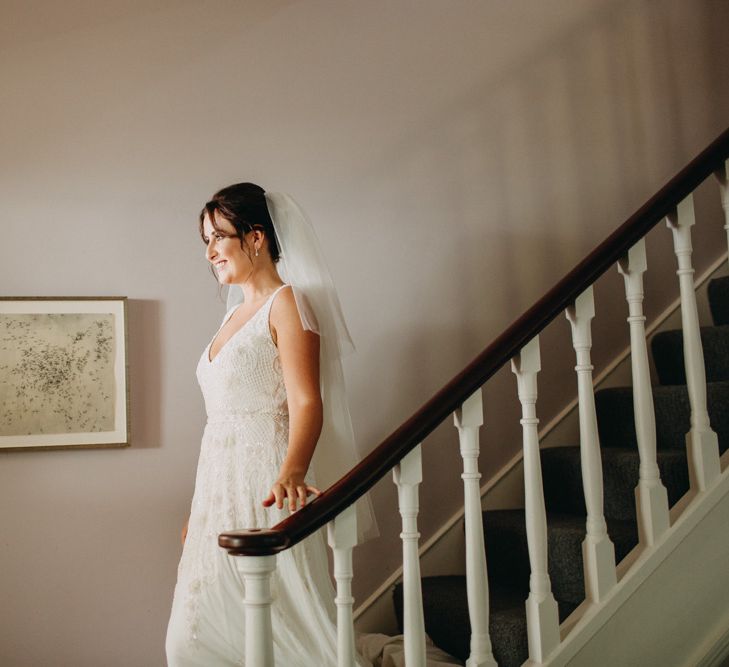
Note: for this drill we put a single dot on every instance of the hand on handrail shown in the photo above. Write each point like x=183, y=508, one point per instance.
x=291, y=486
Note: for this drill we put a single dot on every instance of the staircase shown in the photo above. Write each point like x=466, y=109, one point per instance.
x=604, y=565
x=445, y=597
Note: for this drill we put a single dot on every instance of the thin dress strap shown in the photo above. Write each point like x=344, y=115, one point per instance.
x=268, y=305
x=273, y=295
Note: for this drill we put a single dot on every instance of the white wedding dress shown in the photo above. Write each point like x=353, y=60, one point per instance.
x=243, y=446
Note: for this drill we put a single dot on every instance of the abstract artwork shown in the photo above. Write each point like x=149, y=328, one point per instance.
x=63, y=373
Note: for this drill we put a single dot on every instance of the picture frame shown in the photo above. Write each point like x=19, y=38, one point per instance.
x=64, y=373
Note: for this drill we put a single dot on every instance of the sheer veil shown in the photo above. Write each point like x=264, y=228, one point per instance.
x=302, y=265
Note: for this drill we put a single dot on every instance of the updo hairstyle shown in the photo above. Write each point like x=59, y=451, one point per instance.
x=244, y=206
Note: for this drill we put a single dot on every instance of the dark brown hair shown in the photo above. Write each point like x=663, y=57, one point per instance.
x=244, y=206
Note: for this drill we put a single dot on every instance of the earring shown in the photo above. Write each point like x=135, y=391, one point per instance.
x=256, y=252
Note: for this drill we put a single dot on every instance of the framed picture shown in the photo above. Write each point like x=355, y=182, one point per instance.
x=64, y=379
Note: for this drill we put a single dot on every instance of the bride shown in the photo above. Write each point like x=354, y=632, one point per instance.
x=260, y=377
x=278, y=431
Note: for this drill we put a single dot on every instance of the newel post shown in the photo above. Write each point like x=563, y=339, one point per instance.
x=342, y=538
x=257, y=571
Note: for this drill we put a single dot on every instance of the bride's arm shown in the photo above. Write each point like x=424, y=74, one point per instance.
x=299, y=353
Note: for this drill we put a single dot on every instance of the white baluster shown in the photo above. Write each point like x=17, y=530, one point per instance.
x=342, y=537
x=407, y=475
x=722, y=175
x=468, y=419
x=701, y=441
x=651, y=499
x=598, y=552
x=541, y=607
x=257, y=572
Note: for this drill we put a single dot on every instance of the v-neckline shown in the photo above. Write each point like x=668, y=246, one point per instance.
x=239, y=329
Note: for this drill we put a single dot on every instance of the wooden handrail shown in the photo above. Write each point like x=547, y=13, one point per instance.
x=359, y=480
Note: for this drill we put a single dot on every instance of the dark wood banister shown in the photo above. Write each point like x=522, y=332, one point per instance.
x=317, y=513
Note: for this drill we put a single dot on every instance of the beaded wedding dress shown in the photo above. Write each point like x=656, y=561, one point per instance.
x=243, y=446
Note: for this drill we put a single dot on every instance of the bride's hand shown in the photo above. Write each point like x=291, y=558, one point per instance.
x=291, y=487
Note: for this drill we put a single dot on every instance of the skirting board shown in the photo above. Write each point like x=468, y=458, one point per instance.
x=376, y=613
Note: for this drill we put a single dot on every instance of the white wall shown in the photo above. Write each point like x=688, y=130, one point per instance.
x=440, y=147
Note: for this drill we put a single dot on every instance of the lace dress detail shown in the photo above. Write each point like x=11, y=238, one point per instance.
x=243, y=446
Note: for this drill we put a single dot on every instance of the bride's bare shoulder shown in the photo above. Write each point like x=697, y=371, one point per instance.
x=286, y=320
x=284, y=314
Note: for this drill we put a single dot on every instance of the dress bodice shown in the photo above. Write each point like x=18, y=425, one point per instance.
x=244, y=378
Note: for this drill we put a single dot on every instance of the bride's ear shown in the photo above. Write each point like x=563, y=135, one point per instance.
x=259, y=237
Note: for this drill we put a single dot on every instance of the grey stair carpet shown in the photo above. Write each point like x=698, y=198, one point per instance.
x=444, y=597
x=562, y=471
x=673, y=415
x=667, y=348
x=508, y=559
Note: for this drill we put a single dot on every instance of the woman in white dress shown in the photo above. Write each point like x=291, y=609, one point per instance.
x=260, y=380
x=274, y=393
